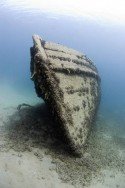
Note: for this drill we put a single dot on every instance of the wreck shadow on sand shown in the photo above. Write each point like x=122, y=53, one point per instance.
x=33, y=127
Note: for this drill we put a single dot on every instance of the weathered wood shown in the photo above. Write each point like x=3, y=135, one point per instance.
x=69, y=84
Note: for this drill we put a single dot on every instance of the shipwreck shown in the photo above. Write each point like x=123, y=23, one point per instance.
x=69, y=83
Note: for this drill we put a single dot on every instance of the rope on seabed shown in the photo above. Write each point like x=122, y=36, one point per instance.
x=21, y=105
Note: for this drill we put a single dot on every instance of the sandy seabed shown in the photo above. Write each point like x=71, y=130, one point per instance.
x=32, y=154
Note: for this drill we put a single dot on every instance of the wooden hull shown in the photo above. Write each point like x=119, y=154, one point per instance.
x=69, y=84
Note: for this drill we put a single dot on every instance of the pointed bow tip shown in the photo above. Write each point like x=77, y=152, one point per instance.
x=36, y=37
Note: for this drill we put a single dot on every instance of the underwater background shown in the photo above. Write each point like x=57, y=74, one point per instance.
x=103, y=43
x=28, y=135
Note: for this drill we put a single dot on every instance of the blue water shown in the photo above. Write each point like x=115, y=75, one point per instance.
x=103, y=43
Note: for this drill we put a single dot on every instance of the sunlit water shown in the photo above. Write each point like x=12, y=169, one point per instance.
x=103, y=43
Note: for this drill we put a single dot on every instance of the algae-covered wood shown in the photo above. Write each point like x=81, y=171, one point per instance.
x=69, y=84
